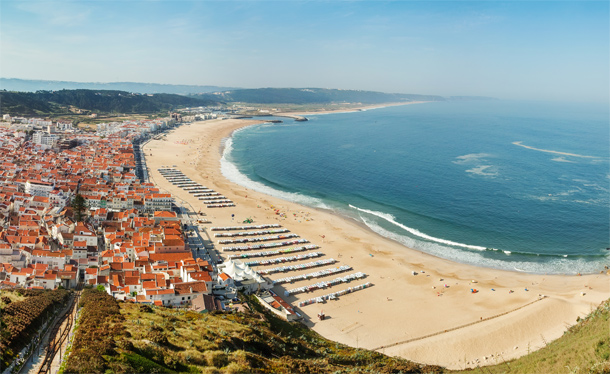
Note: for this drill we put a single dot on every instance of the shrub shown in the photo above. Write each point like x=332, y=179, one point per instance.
x=239, y=357
x=21, y=319
x=171, y=360
x=96, y=335
x=235, y=368
x=193, y=356
x=124, y=344
x=157, y=335
x=602, y=349
x=210, y=370
x=216, y=358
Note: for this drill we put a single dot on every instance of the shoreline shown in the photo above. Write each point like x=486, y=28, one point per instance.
x=364, y=226
x=356, y=109
x=400, y=306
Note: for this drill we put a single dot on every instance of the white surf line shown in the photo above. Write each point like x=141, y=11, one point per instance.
x=390, y=218
x=554, y=152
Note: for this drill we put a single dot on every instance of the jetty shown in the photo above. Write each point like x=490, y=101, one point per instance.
x=293, y=116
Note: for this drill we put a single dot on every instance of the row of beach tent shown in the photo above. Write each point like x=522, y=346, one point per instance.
x=263, y=239
x=249, y=233
x=217, y=196
x=224, y=205
x=309, y=265
x=177, y=178
x=276, y=252
x=203, y=190
x=279, y=260
x=316, y=274
x=216, y=201
x=334, y=295
x=251, y=227
x=264, y=245
x=325, y=284
x=195, y=188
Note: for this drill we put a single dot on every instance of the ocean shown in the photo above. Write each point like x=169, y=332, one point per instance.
x=521, y=186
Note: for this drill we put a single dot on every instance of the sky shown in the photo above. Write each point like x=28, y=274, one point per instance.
x=533, y=50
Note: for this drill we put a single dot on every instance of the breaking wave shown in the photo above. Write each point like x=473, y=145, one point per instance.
x=390, y=218
x=232, y=173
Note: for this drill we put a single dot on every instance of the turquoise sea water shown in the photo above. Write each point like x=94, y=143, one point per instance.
x=513, y=185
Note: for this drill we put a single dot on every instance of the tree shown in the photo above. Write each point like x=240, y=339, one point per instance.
x=79, y=206
x=101, y=288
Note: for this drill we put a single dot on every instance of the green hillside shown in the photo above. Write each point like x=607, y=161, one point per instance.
x=130, y=338
x=125, y=337
x=22, y=314
x=313, y=96
x=67, y=101
x=33, y=85
x=43, y=103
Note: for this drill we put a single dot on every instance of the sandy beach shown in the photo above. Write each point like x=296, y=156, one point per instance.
x=431, y=317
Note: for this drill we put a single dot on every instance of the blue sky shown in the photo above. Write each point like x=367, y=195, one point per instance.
x=543, y=50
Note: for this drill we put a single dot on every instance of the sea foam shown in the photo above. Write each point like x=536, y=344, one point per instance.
x=522, y=211
x=232, y=173
x=390, y=218
x=554, y=264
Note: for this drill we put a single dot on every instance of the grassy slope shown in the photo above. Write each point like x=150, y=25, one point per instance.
x=584, y=348
x=254, y=342
x=104, y=101
x=167, y=340
x=137, y=338
x=14, y=296
x=22, y=313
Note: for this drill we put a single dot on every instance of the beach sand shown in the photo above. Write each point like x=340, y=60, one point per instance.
x=402, y=314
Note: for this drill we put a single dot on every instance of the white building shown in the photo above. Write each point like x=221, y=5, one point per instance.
x=154, y=202
x=58, y=198
x=82, y=233
x=38, y=188
x=64, y=126
x=8, y=255
x=45, y=139
x=244, y=277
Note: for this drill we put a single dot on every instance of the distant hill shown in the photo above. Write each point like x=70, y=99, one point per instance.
x=27, y=85
x=313, y=96
x=56, y=102
x=49, y=99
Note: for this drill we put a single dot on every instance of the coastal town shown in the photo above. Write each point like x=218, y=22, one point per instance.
x=304, y=187
x=142, y=210
x=77, y=210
